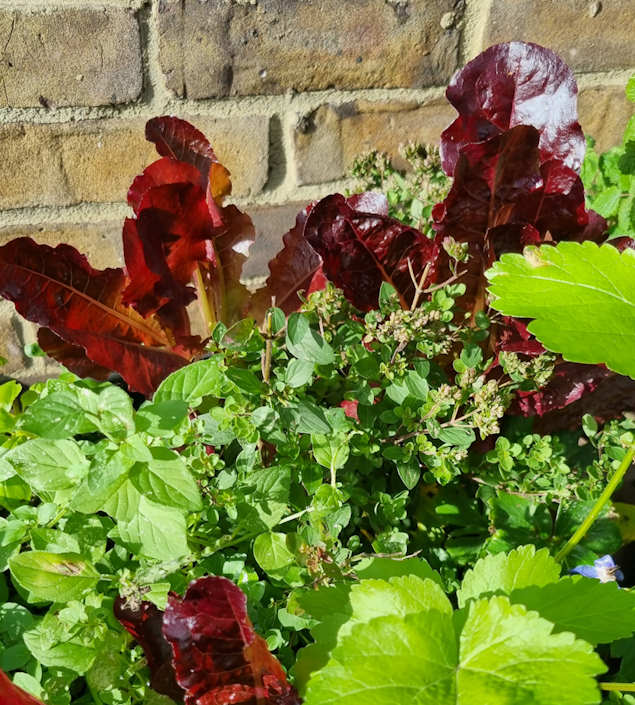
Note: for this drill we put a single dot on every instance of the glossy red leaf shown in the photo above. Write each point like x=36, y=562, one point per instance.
x=510, y=84
x=58, y=289
x=180, y=140
x=144, y=621
x=160, y=173
x=360, y=250
x=296, y=268
x=218, y=658
x=12, y=695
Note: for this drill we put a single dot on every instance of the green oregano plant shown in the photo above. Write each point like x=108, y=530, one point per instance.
x=369, y=481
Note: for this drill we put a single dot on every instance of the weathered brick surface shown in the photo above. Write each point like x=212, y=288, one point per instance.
x=225, y=47
x=604, y=113
x=328, y=140
x=96, y=161
x=590, y=36
x=69, y=56
x=100, y=241
x=271, y=223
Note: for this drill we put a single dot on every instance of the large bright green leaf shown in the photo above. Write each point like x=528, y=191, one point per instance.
x=581, y=296
x=500, y=573
x=500, y=655
x=49, y=465
x=596, y=612
x=58, y=577
x=193, y=382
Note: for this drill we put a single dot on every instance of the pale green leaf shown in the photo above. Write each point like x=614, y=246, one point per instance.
x=192, y=382
x=49, y=465
x=500, y=573
x=581, y=296
x=271, y=553
x=58, y=577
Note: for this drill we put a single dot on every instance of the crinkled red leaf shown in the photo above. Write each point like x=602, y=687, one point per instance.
x=360, y=250
x=510, y=84
x=503, y=199
x=160, y=173
x=144, y=621
x=218, y=658
x=58, y=289
x=12, y=695
x=162, y=249
x=73, y=357
x=296, y=268
x=180, y=140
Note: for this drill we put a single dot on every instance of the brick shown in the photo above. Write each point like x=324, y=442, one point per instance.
x=588, y=36
x=96, y=161
x=68, y=57
x=101, y=242
x=328, y=140
x=271, y=223
x=232, y=47
x=604, y=113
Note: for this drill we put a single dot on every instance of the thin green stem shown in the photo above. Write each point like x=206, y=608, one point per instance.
x=626, y=687
x=598, y=506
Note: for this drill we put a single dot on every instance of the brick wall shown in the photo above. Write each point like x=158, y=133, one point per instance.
x=288, y=91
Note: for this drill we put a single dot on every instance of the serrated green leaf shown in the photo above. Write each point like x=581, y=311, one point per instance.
x=106, y=476
x=386, y=568
x=55, y=416
x=581, y=296
x=166, y=480
x=502, y=573
x=596, y=612
x=193, y=382
x=500, y=655
x=58, y=577
x=156, y=531
x=49, y=465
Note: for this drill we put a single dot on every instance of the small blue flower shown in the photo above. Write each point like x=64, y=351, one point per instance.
x=603, y=569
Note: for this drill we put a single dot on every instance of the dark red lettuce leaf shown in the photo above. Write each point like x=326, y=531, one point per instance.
x=72, y=357
x=180, y=140
x=218, y=658
x=510, y=84
x=361, y=249
x=502, y=199
x=12, y=695
x=297, y=267
x=58, y=289
x=163, y=171
x=144, y=621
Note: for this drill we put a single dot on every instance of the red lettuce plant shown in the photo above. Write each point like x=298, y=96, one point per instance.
x=203, y=649
x=10, y=694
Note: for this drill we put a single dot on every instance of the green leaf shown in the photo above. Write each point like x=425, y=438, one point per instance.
x=456, y=436
x=308, y=417
x=581, y=295
x=607, y=201
x=245, y=380
x=630, y=89
x=299, y=373
x=58, y=577
x=9, y=392
x=330, y=451
x=502, y=573
x=500, y=655
x=596, y=612
x=166, y=480
x=160, y=419
x=272, y=555
x=193, y=382
x=49, y=465
x=107, y=474
x=306, y=344
x=385, y=568
x=55, y=416
x=409, y=472
x=156, y=531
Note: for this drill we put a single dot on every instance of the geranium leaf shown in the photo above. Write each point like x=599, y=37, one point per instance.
x=57, y=288
x=217, y=655
x=435, y=660
x=510, y=84
x=596, y=612
x=360, y=250
x=10, y=694
x=581, y=296
x=501, y=573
